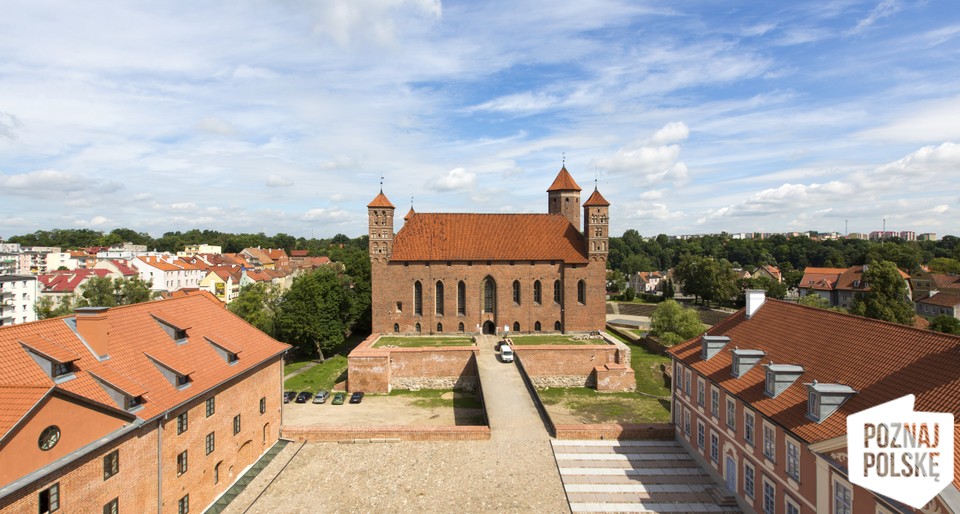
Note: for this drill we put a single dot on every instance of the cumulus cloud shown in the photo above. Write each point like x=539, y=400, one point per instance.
x=787, y=198
x=656, y=211
x=373, y=22
x=321, y=214
x=672, y=132
x=42, y=182
x=653, y=194
x=653, y=160
x=457, y=179
x=278, y=181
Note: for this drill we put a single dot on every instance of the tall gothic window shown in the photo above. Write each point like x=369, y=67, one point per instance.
x=582, y=291
x=489, y=295
x=461, y=299
x=516, y=292
x=556, y=291
x=439, y=298
x=537, y=292
x=417, y=298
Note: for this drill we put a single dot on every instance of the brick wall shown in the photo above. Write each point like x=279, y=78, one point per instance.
x=386, y=433
x=377, y=370
x=393, y=282
x=545, y=360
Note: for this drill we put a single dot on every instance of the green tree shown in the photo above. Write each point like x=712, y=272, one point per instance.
x=314, y=313
x=256, y=304
x=616, y=281
x=45, y=309
x=946, y=324
x=944, y=265
x=98, y=292
x=887, y=298
x=629, y=294
x=133, y=290
x=814, y=300
x=773, y=288
x=706, y=278
x=673, y=323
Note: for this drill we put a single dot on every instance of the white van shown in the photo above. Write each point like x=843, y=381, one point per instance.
x=506, y=353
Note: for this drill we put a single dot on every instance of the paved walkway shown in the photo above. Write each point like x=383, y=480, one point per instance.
x=633, y=476
x=510, y=409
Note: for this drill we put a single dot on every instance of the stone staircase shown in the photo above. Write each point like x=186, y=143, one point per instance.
x=247, y=477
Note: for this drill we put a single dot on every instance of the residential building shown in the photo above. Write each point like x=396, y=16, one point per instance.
x=18, y=295
x=222, y=282
x=60, y=284
x=169, y=274
x=646, y=281
x=922, y=282
x=768, y=392
x=33, y=259
x=838, y=285
x=469, y=272
x=769, y=272
x=154, y=407
x=936, y=303
x=928, y=236
x=908, y=235
x=191, y=250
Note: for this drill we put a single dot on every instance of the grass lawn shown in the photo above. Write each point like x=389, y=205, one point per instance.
x=553, y=339
x=321, y=376
x=432, y=398
x=290, y=367
x=646, y=366
x=593, y=407
x=418, y=342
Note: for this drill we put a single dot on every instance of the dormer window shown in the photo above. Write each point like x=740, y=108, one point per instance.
x=824, y=399
x=132, y=402
x=768, y=383
x=813, y=404
x=177, y=331
x=744, y=361
x=61, y=368
x=226, y=350
x=711, y=345
x=779, y=377
x=182, y=380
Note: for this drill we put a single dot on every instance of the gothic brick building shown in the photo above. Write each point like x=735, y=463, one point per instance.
x=459, y=272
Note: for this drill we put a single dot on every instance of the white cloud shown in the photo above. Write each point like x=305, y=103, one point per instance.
x=457, y=179
x=215, y=125
x=653, y=194
x=331, y=215
x=42, y=182
x=519, y=103
x=278, y=181
x=651, y=161
x=884, y=9
x=9, y=125
x=253, y=72
x=672, y=132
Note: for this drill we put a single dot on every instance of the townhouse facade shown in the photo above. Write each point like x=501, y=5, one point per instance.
x=154, y=407
x=760, y=401
x=18, y=294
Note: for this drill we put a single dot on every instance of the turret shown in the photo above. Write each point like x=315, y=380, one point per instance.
x=563, y=197
x=596, y=225
x=380, y=217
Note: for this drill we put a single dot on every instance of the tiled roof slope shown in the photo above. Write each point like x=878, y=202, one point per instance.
x=946, y=281
x=881, y=361
x=563, y=182
x=596, y=200
x=824, y=279
x=941, y=300
x=16, y=402
x=380, y=201
x=854, y=275
x=499, y=237
x=133, y=334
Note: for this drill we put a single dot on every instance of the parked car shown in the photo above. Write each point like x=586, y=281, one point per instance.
x=338, y=398
x=304, y=397
x=321, y=397
x=356, y=397
x=288, y=396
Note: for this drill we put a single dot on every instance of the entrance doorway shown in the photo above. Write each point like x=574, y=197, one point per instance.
x=730, y=470
x=489, y=327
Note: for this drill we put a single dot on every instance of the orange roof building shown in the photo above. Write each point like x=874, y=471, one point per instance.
x=761, y=400
x=148, y=405
x=471, y=272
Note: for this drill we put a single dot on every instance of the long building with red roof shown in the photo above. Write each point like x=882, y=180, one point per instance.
x=143, y=408
x=469, y=272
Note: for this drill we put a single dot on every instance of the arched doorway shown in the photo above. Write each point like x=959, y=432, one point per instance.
x=489, y=327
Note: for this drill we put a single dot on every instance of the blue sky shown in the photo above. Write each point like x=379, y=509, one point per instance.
x=693, y=117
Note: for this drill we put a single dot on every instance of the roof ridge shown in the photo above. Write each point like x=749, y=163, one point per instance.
x=873, y=320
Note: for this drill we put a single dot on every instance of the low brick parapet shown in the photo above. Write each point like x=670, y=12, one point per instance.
x=384, y=433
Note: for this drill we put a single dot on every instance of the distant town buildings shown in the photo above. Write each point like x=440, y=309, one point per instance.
x=18, y=294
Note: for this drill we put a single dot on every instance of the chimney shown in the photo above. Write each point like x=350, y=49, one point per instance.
x=92, y=325
x=711, y=345
x=755, y=298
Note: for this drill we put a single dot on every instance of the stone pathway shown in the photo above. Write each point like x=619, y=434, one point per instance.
x=510, y=409
x=633, y=476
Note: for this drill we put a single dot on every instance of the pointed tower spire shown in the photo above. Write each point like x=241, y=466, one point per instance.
x=563, y=197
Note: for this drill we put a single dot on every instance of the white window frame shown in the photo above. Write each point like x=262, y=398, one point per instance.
x=770, y=455
x=752, y=490
x=714, y=448
x=701, y=435
x=686, y=381
x=773, y=501
x=701, y=393
x=686, y=421
x=837, y=481
x=749, y=427
x=786, y=450
x=789, y=502
x=731, y=421
x=715, y=402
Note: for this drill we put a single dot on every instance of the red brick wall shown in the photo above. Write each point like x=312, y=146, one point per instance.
x=394, y=282
x=372, y=370
x=549, y=360
x=368, y=373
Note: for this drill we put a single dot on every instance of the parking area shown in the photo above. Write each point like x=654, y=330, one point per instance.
x=380, y=410
x=633, y=476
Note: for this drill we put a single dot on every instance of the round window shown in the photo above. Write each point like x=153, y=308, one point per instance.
x=49, y=437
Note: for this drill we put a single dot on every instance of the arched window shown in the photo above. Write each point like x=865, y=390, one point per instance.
x=461, y=300
x=516, y=292
x=489, y=295
x=418, y=298
x=396, y=328
x=439, y=328
x=537, y=293
x=556, y=326
x=556, y=291
x=460, y=327
x=418, y=328
x=439, y=298
x=516, y=326
x=582, y=291
x=536, y=327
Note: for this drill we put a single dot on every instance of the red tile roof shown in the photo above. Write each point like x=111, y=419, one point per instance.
x=158, y=263
x=48, y=349
x=409, y=215
x=380, y=201
x=564, y=182
x=852, y=279
x=596, y=200
x=941, y=300
x=881, y=361
x=500, y=237
x=299, y=253
x=946, y=281
x=823, y=279
x=67, y=281
x=133, y=333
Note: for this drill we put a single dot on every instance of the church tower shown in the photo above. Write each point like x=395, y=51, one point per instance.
x=563, y=197
x=380, y=217
x=596, y=225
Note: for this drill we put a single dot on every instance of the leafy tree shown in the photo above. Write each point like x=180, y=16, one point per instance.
x=98, y=292
x=314, y=313
x=946, y=324
x=773, y=288
x=944, y=265
x=256, y=304
x=616, y=281
x=814, y=300
x=887, y=298
x=629, y=294
x=668, y=289
x=673, y=323
x=45, y=309
x=706, y=278
x=133, y=290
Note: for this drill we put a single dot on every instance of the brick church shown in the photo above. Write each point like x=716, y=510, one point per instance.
x=466, y=272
